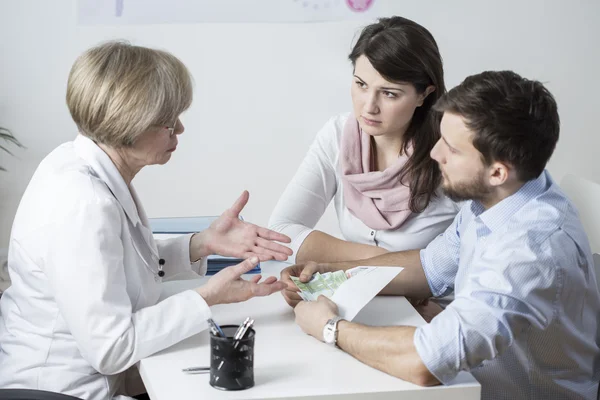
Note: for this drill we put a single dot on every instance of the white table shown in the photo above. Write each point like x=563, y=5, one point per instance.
x=289, y=364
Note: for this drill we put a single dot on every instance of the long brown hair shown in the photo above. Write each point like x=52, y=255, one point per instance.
x=403, y=51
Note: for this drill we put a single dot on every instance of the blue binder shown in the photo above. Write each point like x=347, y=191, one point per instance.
x=183, y=225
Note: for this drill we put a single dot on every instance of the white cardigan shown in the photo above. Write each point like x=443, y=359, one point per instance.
x=318, y=181
x=82, y=308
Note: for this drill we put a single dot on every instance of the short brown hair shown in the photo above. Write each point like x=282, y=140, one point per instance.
x=514, y=120
x=117, y=91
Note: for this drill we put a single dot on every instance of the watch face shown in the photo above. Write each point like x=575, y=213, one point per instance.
x=328, y=333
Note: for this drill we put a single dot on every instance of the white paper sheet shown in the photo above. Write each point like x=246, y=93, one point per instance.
x=359, y=290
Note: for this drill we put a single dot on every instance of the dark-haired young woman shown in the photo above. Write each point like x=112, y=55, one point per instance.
x=374, y=162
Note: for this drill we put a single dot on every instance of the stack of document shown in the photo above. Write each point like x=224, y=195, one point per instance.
x=163, y=228
x=217, y=263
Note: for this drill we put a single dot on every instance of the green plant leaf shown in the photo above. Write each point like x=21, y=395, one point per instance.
x=6, y=150
x=7, y=136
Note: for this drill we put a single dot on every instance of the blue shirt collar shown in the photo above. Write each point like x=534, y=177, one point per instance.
x=494, y=217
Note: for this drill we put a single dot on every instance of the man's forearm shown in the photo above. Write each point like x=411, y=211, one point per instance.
x=388, y=349
x=411, y=282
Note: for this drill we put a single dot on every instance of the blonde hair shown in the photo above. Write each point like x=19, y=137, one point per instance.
x=117, y=91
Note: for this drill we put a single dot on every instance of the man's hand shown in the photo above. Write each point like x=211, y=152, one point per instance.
x=312, y=316
x=231, y=237
x=428, y=309
x=227, y=286
x=305, y=273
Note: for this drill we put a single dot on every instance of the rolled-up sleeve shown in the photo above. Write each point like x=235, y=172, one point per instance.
x=440, y=259
x=508, y=289
x=310, y=191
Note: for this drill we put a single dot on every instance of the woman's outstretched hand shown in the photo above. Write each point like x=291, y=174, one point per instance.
x=227, y=286
x=231, y=237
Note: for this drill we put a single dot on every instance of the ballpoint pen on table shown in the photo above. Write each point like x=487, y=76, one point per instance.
x=196, y=370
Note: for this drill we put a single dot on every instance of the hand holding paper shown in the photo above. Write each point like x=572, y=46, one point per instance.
x=350, y=290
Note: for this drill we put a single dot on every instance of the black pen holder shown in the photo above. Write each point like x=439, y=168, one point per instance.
x=232, y=361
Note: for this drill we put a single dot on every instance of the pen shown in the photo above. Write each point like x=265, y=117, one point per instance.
x=214, y=331
x=240, y=329
x=245, y=327
x=196, y=370
x=248, y=326
x=216, y=327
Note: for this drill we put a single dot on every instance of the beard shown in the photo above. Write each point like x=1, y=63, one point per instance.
x=474, y=189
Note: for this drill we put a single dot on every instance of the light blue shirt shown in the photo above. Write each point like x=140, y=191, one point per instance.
x=524, y=320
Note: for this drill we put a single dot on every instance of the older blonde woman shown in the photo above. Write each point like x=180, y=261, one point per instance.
x=83, y=307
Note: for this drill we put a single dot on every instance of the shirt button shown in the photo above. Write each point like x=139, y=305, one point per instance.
x=372, y=233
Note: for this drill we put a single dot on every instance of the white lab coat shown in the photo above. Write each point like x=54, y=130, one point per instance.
x=82, y=308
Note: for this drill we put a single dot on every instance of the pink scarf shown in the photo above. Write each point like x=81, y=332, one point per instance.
x=377, y=198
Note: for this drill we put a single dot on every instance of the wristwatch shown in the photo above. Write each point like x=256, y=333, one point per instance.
x=330, y=331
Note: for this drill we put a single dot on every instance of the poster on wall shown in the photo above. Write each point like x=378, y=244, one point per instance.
x=120, y=12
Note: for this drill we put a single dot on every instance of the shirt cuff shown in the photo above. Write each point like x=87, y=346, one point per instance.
x=297, y=241
x=193, y=314
x=440, y=350
x=176, y=253
x=201, y=306
x=437, y=286
x=200, y=267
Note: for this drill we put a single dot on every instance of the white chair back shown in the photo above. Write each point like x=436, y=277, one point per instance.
x=597, y=268
x=585, y=194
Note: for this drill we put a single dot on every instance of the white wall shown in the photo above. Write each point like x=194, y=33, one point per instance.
x=263, y=90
